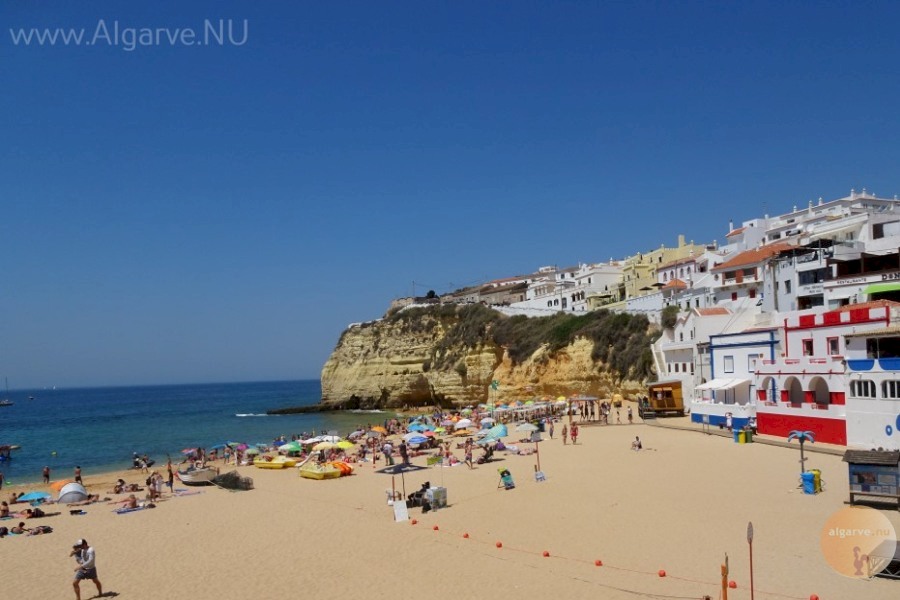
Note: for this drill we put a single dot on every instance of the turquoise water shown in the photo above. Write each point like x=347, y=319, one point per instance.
x=100, y=428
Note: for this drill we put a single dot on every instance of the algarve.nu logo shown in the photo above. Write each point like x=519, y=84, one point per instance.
x=858, y=541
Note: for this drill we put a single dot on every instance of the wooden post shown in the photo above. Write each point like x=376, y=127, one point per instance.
x=750, y=543
x=725, y=579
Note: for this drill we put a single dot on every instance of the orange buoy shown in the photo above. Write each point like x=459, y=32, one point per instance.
x=435, y=527
x=598, y=563
x=499, y=544
x=413, y=522
x=546, y=554
x=466, y=535
x=732, y=584
x=662, y=573
x=813, y=597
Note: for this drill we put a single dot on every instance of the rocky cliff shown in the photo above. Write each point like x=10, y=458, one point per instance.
x=449, y=355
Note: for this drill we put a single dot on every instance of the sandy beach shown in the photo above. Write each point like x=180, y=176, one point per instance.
x=679, y=505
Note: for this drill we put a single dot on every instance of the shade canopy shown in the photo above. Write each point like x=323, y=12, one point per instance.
x=880, y=288
x=722, y=384
x=72, y=492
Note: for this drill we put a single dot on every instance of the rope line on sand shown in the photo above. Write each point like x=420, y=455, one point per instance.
x=503, y=547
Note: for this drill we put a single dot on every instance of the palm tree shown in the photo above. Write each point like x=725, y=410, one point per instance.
x=802, y=436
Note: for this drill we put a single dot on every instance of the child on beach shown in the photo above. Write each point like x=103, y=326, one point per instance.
x=565, y=435
x=574, y=433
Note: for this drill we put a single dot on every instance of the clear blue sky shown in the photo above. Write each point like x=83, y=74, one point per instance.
x=189, y=214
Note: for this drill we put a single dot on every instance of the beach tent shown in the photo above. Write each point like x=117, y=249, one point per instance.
x=72, y=492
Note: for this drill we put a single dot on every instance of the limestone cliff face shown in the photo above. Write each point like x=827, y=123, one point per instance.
x=390, y=364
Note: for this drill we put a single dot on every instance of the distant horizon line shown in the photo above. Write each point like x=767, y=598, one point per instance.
x=150, y=385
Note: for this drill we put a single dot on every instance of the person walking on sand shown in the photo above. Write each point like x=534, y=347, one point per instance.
x=171, y=476
x=574, y=433
x=86, y=569
x=77, y=474
x=565, y=434
x=46, y=474
x=551, y=429
x=630, y=416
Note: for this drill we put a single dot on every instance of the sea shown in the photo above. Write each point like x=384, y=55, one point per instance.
x=99, y=429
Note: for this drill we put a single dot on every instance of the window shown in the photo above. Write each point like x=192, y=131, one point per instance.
x=728, y=364
x=833, y=346
x=752, y=361
x=676, y=367
x=733, y=296
x=684, y=367
x=862, y=388
x=753, y=292
x=807, y=347
x=890, y=390
x=787, y=287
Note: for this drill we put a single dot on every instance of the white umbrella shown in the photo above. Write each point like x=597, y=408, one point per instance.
x=463, y=423
x=487, y=421
x=527, y=427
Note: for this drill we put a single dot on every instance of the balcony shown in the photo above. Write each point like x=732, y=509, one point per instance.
x=802, y=365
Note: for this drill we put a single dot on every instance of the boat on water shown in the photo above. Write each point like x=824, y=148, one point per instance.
x=6, y=401
x=197, y=475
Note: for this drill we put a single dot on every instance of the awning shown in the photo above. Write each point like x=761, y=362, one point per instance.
x=721, y=384
x=878, y=288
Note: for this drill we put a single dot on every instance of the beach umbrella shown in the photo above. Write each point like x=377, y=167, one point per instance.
x=356, y=434
x=345, y=444
x=487, y=421
x=380, y=429
x=325, y=446
x=32, y=496
x=72, y=492
x=289, y=447
x=447, y=422
x=527, y=427
x=252, y=451
x=419, y=439
x=416, y=427
x=440, y=430
x=495, y=433
x=373, y=434
x=463, y=423
x=330, y=438
x=429, y=434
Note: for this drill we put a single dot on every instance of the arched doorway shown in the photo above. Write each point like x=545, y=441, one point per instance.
x=819, y=387
x=794, y=390
x=767, y=391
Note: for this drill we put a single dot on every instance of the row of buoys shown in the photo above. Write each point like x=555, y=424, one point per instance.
x=599, y=563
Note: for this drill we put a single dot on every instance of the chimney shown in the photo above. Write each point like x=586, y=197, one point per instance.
x=681, y=240
x=730, y=225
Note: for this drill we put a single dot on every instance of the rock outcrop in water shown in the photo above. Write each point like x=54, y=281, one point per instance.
x=449, y=355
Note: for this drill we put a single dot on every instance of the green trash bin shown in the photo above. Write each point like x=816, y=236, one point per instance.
x=749, y=434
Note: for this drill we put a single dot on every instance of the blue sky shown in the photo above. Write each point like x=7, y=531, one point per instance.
x=194, y=213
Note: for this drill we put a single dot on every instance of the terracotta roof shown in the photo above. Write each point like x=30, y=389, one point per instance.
x=675, y=284
x=712, y=310
x=752, y=257
x=871, y=304
x=735, y=231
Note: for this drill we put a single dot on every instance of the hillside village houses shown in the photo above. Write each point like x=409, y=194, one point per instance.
x=793, y=323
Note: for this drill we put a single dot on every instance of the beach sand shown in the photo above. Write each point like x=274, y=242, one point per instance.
x=679, y=505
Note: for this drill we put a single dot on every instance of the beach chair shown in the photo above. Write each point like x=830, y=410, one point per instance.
x=506, y=480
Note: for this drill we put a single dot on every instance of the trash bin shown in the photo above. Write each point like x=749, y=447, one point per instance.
x=817, y=480
x=737, y=439
x=540, y=426
x=809, y=482
x=749, y=434
x=742, y=437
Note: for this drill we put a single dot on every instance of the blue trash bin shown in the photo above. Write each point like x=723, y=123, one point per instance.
x=809, y=482
x=736, y=436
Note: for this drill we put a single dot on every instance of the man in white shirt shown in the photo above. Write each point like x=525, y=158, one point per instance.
x=86, y=569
